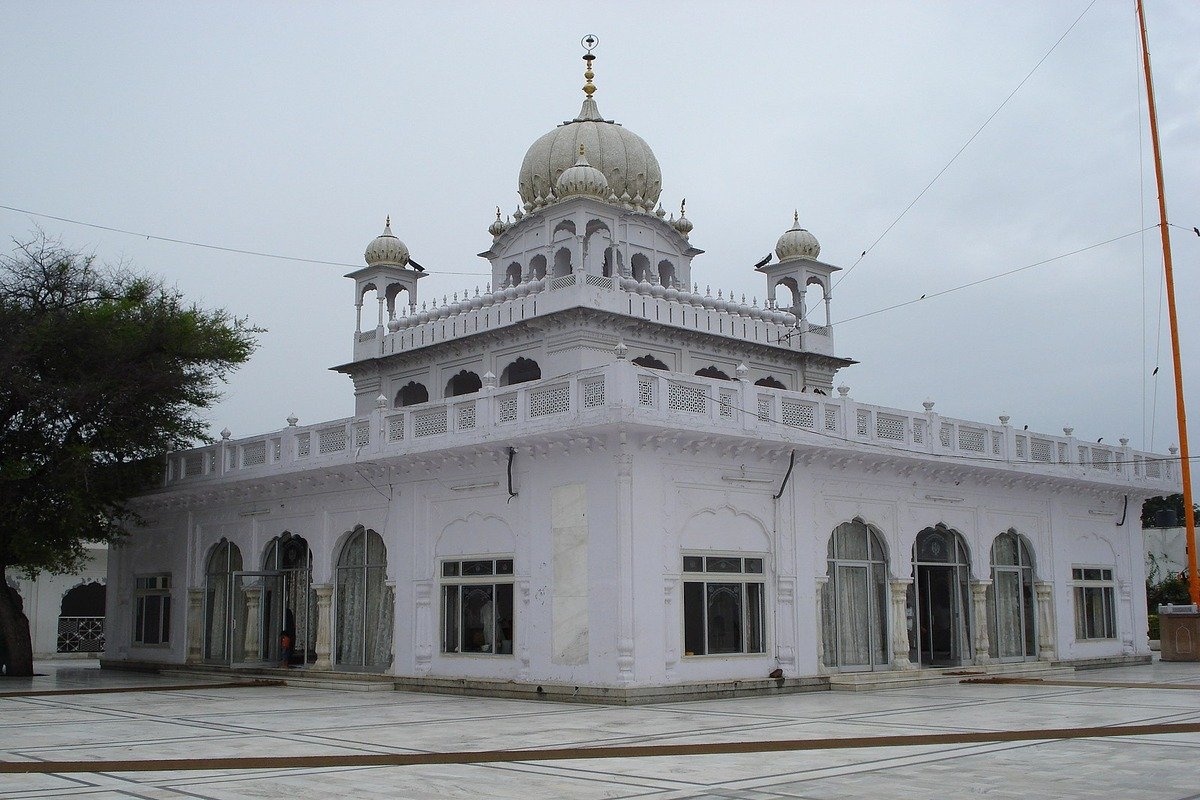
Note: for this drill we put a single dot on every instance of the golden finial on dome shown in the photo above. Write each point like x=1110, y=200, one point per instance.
x=581, y=148
x=589, y=43
x=796, y=217
x=497, y=212
x=682, y=207
x=388, y=222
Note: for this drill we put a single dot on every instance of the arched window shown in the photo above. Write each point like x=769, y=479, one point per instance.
x=562, y=262
x=814, y=298
x=81, y=619
x=789, y=300
x=854, y=608
x=290, y=556
x=513, y=274
x=712, y=372
x=1011, y=602
x=537, y=266
x=649, y=362
x=563, y=229
x=770, y=382
x=392, y=294
x=463, y=383
x=640, y=266
x=666, y=273
x=939, y=599
x=411, y=394
x=520, y=371
x=364, y=603
x=224, y=560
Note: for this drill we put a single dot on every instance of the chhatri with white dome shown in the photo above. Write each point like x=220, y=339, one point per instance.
x=597, y=480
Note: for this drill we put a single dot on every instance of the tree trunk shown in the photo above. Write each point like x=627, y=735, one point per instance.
x=16, y=645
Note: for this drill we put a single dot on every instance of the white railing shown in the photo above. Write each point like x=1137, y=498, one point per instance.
x=671, y=306
x=625, y=393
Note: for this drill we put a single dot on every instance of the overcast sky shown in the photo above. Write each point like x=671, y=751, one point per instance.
x=295, y=128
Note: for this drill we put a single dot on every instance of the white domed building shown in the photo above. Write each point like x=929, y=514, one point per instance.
x=597, y=481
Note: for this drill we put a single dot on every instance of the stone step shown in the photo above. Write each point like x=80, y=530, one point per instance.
x=897, y=679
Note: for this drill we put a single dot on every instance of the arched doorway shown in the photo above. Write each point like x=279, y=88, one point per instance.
x=854, y=608
x=1012, y=608
x=520, y=371
x=81, y=619
x=224, y=560
x=290, y=557
x=939, y=600
x=364, y=603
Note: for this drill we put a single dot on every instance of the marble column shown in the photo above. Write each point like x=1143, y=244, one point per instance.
x=1047, y=628
x=979, y=620
x=899, y=622
x=324, y=624
x=822, y=582
x=195, y=625
x=625, y=641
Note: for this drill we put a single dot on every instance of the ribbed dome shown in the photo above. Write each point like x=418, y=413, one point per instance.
x=797, y=242
x=624, y=158
x=582, y=179
x=386, y=249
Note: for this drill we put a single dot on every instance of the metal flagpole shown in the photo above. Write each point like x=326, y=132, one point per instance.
x=1189, y=514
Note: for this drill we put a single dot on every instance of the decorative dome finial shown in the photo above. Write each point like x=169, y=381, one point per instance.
x=796, y=242
x=589, y=43
x=683, y=224
x=582, y=179
x=498, y=227
x=386, y=248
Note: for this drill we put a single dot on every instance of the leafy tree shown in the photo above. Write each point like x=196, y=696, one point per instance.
x=104, y=371
x=1172, y=503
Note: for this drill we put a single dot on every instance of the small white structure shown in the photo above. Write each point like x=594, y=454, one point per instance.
x=597, y=478
x=66, y=612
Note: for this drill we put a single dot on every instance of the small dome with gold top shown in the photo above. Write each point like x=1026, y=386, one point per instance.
x=582, y=179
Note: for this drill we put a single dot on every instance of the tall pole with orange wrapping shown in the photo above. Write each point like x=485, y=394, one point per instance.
x=1185, y=465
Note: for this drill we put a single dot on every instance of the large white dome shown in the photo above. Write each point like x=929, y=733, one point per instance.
x=627, y=162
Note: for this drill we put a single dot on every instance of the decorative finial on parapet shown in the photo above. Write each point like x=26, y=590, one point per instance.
x=589, y=43
x=928, y=404
x=292, y=419
x=742, y=371
x=1173, y=449
x=225, y=434
x=381, y=401
x=489, y=380
x=621, y=350
x=1124, y=441
x=1068, y=430
x=1004, y=418
x=844, y=390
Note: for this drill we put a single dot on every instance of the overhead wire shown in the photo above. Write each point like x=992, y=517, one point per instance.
x=204, y=245
x=967, y=144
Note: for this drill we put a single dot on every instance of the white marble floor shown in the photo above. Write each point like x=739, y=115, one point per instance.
x=221, y=722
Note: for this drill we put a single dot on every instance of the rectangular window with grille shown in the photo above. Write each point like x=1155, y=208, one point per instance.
x=1095, y=614
x=152, y=609
x=477, y=606
x=724, y=605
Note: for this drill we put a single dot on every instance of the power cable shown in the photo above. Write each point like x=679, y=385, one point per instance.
x=967, y=144
x=205, y=245
x=930, y=296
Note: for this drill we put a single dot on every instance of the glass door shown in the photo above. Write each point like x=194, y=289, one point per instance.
x=256, y=618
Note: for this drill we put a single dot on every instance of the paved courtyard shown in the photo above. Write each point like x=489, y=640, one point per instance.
x=218, y=722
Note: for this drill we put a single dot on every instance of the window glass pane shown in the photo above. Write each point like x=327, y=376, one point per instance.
x=477, y=568
x=693, y=618
x=449, y=569
x=1004, y=550
x=724, y=617
x=693, y=564
x=139, y=616
x=852, y=541
x=504, y=618
x=1109, y=622
x=350, y=599
x=1077, y=574
x=376, y=550
x=1080, y=609
x=723, y=564
x=504, y=566
x=933, y=546
x=478, y=618
x=449, y=619
x=378, y=622
x=153, y=621
x=1106, y=574
x=354, y=551
x=756, y=629
x=1092, y=574
x=754, y=566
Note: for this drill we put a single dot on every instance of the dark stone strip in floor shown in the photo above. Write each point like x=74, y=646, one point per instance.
x=1096, y=684
x=576, y=753
x=183, y=687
